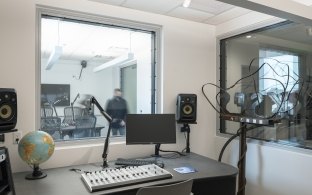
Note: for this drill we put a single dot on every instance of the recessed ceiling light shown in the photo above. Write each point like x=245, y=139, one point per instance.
x=186, y=3
x=248, y=36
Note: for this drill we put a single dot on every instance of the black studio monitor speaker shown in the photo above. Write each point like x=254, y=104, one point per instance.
x=186, y=108
x=8, y=109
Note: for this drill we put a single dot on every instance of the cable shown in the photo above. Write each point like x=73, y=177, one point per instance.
x=238, y=132
x=172, y=156
x=284, y=95
x=177, y=152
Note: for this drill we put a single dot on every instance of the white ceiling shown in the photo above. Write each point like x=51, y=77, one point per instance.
x=96, y=44
x=205, y=11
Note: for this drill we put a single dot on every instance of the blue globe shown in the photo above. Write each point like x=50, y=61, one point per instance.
x=36, y=147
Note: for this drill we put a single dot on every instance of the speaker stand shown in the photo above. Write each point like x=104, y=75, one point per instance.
x=186, y=128
x=6, y=184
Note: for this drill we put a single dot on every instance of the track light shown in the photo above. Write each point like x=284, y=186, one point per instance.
x=186, y=3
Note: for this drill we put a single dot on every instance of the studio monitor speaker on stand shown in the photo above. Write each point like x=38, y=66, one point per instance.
x=186, y=114
x=8, y=109
x=186, y=108
x=8, y=119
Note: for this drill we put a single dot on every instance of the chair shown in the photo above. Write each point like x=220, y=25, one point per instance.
x=71, y=114
x=85, y=125
x=46, y=111
x=51, y=124
x=182, y=188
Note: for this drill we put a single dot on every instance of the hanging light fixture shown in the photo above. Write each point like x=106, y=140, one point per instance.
x=120, y=60
x=309, y=31
x=57, y=51
x=117, y=61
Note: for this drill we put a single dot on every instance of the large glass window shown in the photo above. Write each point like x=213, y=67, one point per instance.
x=285, y=63
x=266, y=78
x=79, y=58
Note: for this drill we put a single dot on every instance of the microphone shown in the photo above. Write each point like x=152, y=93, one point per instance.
x=87, y=101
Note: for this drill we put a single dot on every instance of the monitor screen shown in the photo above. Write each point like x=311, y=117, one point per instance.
x=150, y=129
x=57, y=94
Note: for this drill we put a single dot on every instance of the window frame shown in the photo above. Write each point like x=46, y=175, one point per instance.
x=154, y=29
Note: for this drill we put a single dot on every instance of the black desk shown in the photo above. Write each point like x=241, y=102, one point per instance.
x=211, y=178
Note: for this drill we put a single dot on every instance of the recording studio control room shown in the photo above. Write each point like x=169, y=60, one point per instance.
x=134, y=97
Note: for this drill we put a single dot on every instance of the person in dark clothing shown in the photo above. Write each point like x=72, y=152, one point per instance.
x=117, y=108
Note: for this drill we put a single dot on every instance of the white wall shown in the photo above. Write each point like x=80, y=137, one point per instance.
x=67, y=72
x=188, y=59
x=270, y=169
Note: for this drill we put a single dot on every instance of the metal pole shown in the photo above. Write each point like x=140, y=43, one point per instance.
x=242, y=161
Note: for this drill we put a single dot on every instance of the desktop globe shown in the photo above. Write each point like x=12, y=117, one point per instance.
x=35, y=148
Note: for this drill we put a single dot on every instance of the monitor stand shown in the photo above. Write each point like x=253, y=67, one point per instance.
x=157, y=148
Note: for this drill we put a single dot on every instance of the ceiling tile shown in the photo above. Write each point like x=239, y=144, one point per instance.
x=210, y=6
x=189, y=14
x=226, y=16
x=207, y=11
x=159, y=6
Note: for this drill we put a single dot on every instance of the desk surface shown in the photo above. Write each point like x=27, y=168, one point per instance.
x=64, y=181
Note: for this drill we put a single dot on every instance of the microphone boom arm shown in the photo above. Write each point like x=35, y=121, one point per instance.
x=96, y=103
x=109, y=119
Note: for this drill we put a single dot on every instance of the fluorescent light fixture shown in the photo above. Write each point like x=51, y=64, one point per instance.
x=309, y=31
x=186, y=3
x=117, y=61
x=248, y=36
x=54, y=57
x=304, y=2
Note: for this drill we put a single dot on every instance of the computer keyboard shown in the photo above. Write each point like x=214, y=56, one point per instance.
x=137, y=162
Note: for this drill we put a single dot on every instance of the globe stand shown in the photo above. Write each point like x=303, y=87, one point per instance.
x=36, y=174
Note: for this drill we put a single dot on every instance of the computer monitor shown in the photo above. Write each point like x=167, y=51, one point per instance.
x=151, y=129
